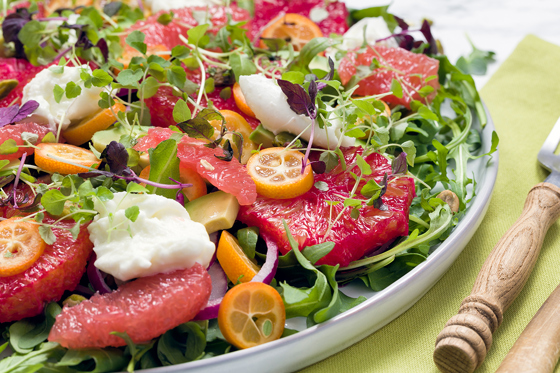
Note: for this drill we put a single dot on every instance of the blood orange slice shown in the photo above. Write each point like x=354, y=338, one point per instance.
x=309, y=215
x=231, y=177
x=412, y=70
x=58, y=269
x=144, y=309
x=14, y=132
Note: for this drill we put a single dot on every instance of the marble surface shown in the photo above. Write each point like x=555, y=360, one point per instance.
x=494, y=25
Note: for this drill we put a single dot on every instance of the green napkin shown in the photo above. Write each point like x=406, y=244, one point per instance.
x=524, y=101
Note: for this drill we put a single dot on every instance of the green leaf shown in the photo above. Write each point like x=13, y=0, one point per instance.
x=100, y=78
x=185, y=343
x=30, y=362
x=248, y=238
x=165, y=18
x=177, y=76
x=396, y=88
x=476, y=63
x=103, y=194
x=149, y=87
x=303, y=301
x=136, y=40
x=180, y=51
x=53, y=201
x=31, y=33
x=322, y=186
x=9, y=147
x=47, y=234
x=296, y=77
x=241, y=65
x=199, y=127
x=195, y=34
x=72, y=90
x=364, y=167
x=132, y=213
x=330, y=159
x=316, y=252
x=410, y=150
x=135, y=188
x=25, y=335
x=385, y=276
x=225, y=93
x=163, y=165
x=308, y=52
x=49, y=137
x=58, y=93
x=104, y=360
x=130, y=78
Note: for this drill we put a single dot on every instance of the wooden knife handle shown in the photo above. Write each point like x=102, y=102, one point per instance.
x=538, y=348
x=466, y=338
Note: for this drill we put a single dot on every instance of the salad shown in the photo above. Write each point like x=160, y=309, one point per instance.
x=178, y=179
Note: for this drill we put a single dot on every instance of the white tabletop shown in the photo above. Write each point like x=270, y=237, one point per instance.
x=495, y=25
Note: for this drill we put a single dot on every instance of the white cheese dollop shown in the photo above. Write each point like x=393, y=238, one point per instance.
x=162, y=239
x=271, y=107
x=376, y=28
x=157, y=5
x=62, y=113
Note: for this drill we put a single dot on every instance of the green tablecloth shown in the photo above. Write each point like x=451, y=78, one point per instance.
x=524, y=100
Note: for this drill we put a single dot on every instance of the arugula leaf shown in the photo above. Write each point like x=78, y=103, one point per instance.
x=164, y=164
x=30, y=362
x=183, y=344
x=241, y=65
x=104, y=360
x=308, y=52
x=248, y=238
x=476, y=63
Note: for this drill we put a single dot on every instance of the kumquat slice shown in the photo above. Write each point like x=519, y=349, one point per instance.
x=277, y=173
x=234, y=262
x=240, y=100
x=236, y=123
x=20, y=246
x=251, y=314
x=82, y=132
x=294, y=28
x=64, y=158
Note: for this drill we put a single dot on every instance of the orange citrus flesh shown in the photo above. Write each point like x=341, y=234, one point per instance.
x=240, y=101
x=79, y=156
x=83, y=131
x=294, y=28
x=251, y=314
x=234, y=262
x=186, y=176
x=277, y=173
x=20, y=246
x=236, y=123
x=129, y=53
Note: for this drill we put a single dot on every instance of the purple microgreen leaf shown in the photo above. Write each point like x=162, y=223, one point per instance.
x=11, y=27
x=103, y=47
x=116, y=156
x=402, y=24
x=228, y=152
x=319, y=167
x=331, y=72
x=298, y=99
x=313, y=90
x=199, y=127
x=398, y=165
x=180, y=197
x=237, y=139
x=427, y=32
x=25, y=110
x=7, y=114
x=16, y=181
x=406, y=42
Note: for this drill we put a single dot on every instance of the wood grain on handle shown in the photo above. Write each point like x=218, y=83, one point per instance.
x=538, y=348
x=463, y=343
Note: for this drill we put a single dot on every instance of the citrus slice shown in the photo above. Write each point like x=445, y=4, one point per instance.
x=240, y=101
x=234, y=262
x=83, y=131
x=294, y=28
x=236, y=123
x=277, y=173
x=251, y=314
x=157, y=49
x=20, y=246
x=187, y=176
x=50, y=157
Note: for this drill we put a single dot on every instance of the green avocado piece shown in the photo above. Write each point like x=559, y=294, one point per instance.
x=216, y=211
x=102, y=138
x=262, y=136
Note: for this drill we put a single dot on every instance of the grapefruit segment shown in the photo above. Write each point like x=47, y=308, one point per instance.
x=144, y=308
x=14, y=131
x=410, y=69
x=309, y=215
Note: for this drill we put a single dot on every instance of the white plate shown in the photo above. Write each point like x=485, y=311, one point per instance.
x=320, y=341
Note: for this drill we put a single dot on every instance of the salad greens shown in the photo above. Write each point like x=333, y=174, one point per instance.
x=424, y=143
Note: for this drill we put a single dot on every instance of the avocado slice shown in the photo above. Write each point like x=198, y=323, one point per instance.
x=102, y=138
x=262, y=136
x=216, y=211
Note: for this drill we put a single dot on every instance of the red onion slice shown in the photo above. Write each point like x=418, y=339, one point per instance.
x=219, y=289
x=268, y=269
x=95, y=277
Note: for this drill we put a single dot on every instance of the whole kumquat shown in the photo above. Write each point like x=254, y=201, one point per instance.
x=20, y=246
x=251, y=314
x=51, y=157
x=277, y=173
x=294, y=28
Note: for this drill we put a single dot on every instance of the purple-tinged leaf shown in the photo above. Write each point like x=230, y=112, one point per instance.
x=313, y=89
x=25, y=110
x=427, y=32
x=319, y=167
x=398, y=166
x=116, y=156
x=228, y=152
x=104, y=48
x=7, y=114
x=402, y=24
x=331, y=72
x=11, y=27
x=406, y=42
x=298, y=99
x=378, y=203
